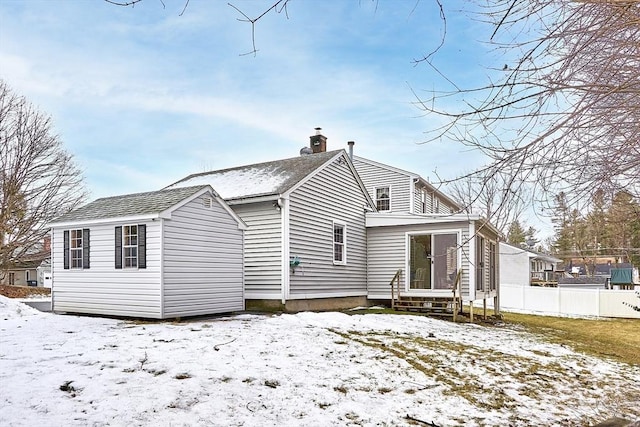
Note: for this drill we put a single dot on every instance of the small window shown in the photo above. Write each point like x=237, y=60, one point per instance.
x=436, y=205
x=423, y=202
x=383, y=200
x=75, y=248
x=12, y=279
x=339, y=243
x=130, y=246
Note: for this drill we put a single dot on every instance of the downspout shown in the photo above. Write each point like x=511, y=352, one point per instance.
x=283, y=202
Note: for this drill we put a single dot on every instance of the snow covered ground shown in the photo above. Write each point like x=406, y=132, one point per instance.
x=306, y=369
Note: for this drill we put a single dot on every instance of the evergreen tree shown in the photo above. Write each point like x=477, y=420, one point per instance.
x=516, y=234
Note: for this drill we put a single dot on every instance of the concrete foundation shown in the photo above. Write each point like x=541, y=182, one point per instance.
x=318, y=304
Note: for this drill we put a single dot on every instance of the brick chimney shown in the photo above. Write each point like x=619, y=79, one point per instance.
x=318, y=142
x=47, y=244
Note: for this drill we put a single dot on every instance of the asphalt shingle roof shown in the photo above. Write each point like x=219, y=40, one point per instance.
x=130, y=204
x=260, y=179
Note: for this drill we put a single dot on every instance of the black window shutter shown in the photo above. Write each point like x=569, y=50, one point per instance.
x=118, y=247
x=85, y=248
x=66, y=249
x=142, y=246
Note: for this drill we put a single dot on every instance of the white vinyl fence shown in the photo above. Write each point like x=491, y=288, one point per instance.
x=569, y=302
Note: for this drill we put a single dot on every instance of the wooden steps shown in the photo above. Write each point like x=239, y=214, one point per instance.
x=435, y=306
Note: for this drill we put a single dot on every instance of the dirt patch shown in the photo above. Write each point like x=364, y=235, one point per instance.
x=23, y=291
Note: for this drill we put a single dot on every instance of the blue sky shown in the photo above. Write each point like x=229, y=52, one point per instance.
x=143, y=96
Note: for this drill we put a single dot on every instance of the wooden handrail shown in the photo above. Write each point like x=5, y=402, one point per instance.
x=457, y=286
x=396, y=278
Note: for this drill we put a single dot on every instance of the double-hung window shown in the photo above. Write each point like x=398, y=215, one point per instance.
x=383, y=199
x=76, y=248
x=131, y=246
x=339, y=243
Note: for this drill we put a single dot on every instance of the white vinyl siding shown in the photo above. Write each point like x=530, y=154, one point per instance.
x=387, y=254
x=374, y=176
x=263, y=250
x=202, y=261
x=102, y=289
x=331, y=195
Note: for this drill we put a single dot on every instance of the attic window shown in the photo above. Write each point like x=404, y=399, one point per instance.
x=383, y=201
x=207, y=202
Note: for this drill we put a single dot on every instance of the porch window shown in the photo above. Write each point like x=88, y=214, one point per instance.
x=433, y=261
x=493, y=260
x=339, y=243
x=480, y=267
x=383, y=199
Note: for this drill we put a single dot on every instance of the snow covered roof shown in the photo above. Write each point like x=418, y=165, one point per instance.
x=128, y=205
x=260, y=179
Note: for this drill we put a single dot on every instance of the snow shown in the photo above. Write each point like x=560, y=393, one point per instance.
x=305, y=369
x=238, y=183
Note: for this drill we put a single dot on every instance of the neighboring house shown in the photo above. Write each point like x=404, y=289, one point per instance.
x=305, y=245
x=162, y=254
x=26, y=271
x=522, y=267
x=417, y=229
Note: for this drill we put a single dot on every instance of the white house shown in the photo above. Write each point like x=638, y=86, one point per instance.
x=321, y=231
x=522, y=267
x=418, y=231
x=162, y=254
x=306, y=240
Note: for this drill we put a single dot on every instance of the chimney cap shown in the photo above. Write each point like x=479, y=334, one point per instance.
x=318, y=130
x=351, y=142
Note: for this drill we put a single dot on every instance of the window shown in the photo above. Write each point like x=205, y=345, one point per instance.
x=436, y=205
x=131, y=246
x=76, y=249
x=479, y=263
x=12, y=279
x=493, y=260
x=339, y=243
x=383, y=201
x=423, y=202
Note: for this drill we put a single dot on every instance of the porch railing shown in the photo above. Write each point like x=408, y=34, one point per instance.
x=395, y=281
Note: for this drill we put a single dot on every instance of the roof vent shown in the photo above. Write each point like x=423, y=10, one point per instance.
x=305, y=151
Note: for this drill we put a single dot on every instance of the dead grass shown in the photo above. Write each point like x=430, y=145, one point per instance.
x=23, y=291
x=617, y=339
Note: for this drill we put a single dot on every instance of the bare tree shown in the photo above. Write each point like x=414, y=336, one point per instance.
x=563, y=114
x=490, y=196
x=38, y=179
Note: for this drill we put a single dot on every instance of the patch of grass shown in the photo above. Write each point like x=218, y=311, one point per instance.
x=618, y=339
x=342, y=389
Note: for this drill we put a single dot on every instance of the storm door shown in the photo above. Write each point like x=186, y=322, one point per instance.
x=433, y=261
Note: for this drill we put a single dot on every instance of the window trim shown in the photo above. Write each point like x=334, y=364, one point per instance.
x=77, y=249
x=343, y=225
x=141, y=244
x=376, y=200
x=129, y=246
